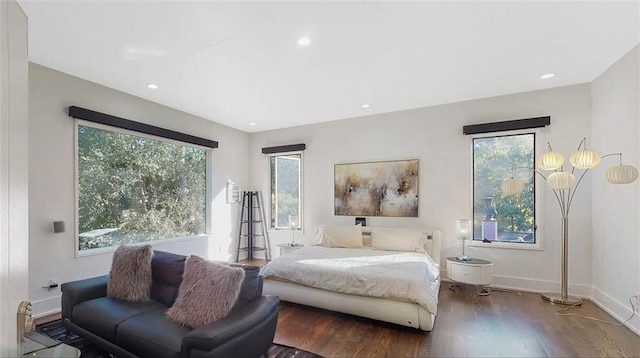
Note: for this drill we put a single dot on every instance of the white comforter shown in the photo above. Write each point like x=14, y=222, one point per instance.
x=405, y=276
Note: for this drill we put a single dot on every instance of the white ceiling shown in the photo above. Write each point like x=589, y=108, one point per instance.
x=239, y=62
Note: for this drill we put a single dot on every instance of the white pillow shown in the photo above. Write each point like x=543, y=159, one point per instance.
x=398, y=240
x=339, y=236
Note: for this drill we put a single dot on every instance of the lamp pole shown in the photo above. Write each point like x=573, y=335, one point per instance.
x=563, y=297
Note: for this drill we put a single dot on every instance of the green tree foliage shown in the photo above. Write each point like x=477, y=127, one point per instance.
x=146, y=189
x=493, y=158
x=285, y=189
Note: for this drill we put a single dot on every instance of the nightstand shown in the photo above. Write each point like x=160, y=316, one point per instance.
x=288, y=247
x=474, y=272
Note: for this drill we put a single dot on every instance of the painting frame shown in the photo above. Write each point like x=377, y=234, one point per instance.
x=377, y=188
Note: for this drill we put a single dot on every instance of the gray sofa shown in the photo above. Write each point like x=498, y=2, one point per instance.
x=134, y=329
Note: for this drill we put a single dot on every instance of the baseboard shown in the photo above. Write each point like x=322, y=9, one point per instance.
x=48, y=306
x=533, y=285
x=617, y=309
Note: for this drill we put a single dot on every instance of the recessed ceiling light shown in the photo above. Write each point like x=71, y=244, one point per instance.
x=304, y=41
x=547, y=76
x=366, y=105
x=152, y=86
x=252, y=123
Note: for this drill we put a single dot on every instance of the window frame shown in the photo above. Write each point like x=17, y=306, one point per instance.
x=300, y=228
x=102, y=250
x=537, y=196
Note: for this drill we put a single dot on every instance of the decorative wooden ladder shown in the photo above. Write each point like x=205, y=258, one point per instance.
x=252, y=216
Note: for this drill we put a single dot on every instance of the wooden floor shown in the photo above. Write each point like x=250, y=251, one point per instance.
x=503, y=324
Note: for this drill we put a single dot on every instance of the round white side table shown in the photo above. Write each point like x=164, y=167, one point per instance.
x=474, y=272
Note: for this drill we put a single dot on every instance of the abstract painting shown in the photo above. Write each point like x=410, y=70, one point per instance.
x=377, y=188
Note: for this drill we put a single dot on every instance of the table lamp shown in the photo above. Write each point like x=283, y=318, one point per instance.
x=463, y=232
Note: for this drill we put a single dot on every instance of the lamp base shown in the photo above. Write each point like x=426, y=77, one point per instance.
x=463, y=258
x=556, y=297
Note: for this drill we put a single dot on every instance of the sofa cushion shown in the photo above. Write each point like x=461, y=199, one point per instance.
x=130, y=275
x=167, y=269
x=207, y=293
x=163, y=340
x=250, y=286
x=103, y=315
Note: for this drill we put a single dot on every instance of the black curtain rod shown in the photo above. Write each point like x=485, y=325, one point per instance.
x=284, y=148
x=97, y=117
x=526, y=123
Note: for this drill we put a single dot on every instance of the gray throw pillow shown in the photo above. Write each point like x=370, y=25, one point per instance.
x=207, y=293
x=130, y=276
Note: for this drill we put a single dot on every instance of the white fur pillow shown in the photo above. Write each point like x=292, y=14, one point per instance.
x=339, y=236
x=398, y=240
x=207, y=293
x=130, y=276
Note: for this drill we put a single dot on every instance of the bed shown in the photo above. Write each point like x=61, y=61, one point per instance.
x=389, y=274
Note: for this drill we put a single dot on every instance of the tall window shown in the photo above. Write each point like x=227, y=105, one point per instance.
x=135, y=189
x=286, y=193
x=496, y=216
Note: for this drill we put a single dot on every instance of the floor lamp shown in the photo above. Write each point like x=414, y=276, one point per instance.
x=562, y=183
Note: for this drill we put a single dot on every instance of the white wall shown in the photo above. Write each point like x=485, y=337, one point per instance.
x=616, y=209
x=14, y=154
x=51, y=183
x=434, y=136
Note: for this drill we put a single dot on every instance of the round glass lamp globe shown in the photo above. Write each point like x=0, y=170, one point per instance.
x=622, y=174
x=550, y=161
x=561, y=180
x=512, y=186
x=585, y=159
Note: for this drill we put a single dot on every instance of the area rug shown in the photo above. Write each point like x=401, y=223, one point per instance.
x=56, y=331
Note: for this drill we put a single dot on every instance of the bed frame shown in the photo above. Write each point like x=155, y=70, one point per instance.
x=387, y=310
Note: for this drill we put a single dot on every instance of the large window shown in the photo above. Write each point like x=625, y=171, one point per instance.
x=496, y=216
x=134, y=189
x=286, y=193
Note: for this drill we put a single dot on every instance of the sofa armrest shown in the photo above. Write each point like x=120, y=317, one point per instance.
x=260, y=285
x=77, y=292
x=238, y=322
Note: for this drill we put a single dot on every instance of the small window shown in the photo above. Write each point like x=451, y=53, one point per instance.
x=286, y=191
x=135, y=189
x=496, y=216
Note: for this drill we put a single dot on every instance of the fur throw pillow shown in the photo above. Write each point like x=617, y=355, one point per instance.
x=207, y=293
x=130, y=276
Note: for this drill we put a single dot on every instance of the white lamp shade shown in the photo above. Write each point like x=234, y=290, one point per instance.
x=585, y=159
x=550, y=161
x=622, y=174
x=512, y=186
x=464, y=229
x=561, y=180
x=293, y=222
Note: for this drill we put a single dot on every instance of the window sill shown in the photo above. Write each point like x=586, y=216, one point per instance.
x=154, y=244
x=506, y=245
x=297, y=231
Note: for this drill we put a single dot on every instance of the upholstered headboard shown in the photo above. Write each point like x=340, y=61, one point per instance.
x=433, y=245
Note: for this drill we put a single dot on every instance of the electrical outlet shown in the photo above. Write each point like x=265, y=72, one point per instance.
x=635, y=303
